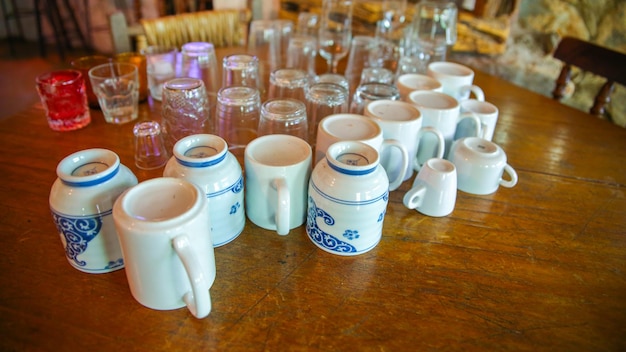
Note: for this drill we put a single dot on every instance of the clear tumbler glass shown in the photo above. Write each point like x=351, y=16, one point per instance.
x=185, y=109
x=237, y=114
x=324, y=99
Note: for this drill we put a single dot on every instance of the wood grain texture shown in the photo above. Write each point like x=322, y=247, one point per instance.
x=540, y=266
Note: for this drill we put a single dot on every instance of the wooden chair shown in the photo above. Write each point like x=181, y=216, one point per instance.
x=594, y=59
x=220, y=27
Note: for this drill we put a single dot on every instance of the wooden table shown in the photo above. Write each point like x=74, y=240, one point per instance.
x=541, y=266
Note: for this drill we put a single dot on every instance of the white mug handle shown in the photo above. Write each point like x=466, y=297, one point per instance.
x=478, y=92
x=441, y=145
x=282, y=206
x=414, y=197
x=198, y=300
x=479, y=126
x=512, y=174
x=394, y=184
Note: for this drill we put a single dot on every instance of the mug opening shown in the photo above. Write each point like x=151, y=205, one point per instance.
x=160, y=199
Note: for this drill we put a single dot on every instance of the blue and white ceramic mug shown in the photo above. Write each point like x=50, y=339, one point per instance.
x=348, y=196
x=81, y=202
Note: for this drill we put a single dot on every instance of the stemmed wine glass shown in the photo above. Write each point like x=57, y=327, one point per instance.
x=335, y=31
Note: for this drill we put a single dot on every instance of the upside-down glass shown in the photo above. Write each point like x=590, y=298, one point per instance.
x=359, y=58
x=199, y=61
x=308, y=23
x=288, y=83
x=237, y=114
x=284, y=116
x=372, y=91
x=324, y=99
x=241, y=70
x=335, y=31
x=185, y=109
x=390, y=34
x=432, y=30
x=63, y=95
x=150, y=152
x=161, y=61
x=116, y=85
x=264, y=42
x=301, y=53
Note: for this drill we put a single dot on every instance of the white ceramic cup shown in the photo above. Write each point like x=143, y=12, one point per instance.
x=480, y=166
x=434, y=189
x=402, y=121
x=410, y=82
x=485, y=111
x=165, y=235
x=443, y=113
x=353, y=127
x=204, y=159
x=457, y=80
x=277, y=169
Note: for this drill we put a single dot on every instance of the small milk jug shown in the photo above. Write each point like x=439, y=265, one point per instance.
x=348, y=196
x=81, y=202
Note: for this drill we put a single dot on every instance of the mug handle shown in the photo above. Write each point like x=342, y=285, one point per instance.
x=414, y=197
x=282, y=206
x=478, y=92
x=198, y=300
x=512, y=173
x=441, y=144
x=479, y=126
x=393, y=185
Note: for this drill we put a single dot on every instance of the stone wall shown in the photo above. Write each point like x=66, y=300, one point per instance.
x=528, y=60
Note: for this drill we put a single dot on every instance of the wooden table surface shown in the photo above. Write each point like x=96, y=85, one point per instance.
x=541, y=266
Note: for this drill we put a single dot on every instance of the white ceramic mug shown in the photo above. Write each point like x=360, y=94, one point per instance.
x=204, y=159
x=277, y=168
x=410, y=82
x=402, y=121
x=457, y=80
x=353, y=127
x=165, y=235
x=480, y=166
x=485, y=111
x=434, y=189
x=443, y=113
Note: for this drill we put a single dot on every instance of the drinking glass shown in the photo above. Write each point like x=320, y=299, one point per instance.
x=390, y=34
x=308, y=24
x=237, y=114
x=116, y=85
x=241, y=70
x=161, y=62
x=301, y=53
x=199, y=61
x=372, y=91
x=150, y=151
x=63, y=95
x=333, y=78
x=283, y=116
x=288, y=83
x=185, y=109
x=264, y=42
x=335, y=31
x=432, y=30
x=324, y=99
x=361, y=49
